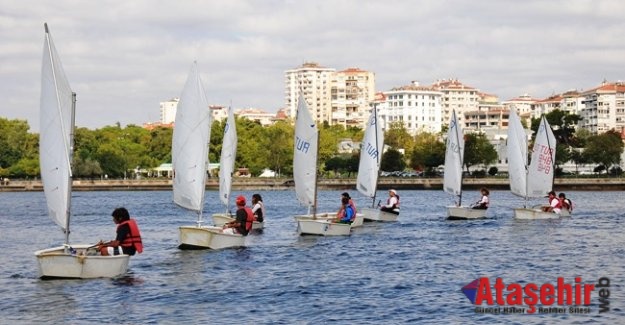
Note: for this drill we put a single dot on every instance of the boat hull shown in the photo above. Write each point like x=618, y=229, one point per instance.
x=358, y=221
x=220, y=219
x=371, y=214
x=321, y=227
x=531, y=214
x=207, y=237
x=85, y=264
x=464, y=213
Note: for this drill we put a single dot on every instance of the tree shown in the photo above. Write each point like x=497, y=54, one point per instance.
x=278, y=146
x=477, y=150
x=392, y=160
x=428, y=152
x=605, y=149
x=397, y=136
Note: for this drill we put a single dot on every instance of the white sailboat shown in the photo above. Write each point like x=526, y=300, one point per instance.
x=535, y=179
x=369, y=168
x=189, y=160
x=57, y=110
x=305, y=177
x=226, y=170
x=452, y=184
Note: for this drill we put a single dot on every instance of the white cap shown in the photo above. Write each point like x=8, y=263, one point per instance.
x=394, y=192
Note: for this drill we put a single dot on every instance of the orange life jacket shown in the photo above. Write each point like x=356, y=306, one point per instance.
x=134, y=237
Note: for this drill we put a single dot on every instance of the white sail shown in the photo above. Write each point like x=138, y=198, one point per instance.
x=190, y=144
x=454, y=157
x=305, y=155
x=228, y=155
x=55, y=139
x=517, y=155
x=541, y=168
x=370, y=156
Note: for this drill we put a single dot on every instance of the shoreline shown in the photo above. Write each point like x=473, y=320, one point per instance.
x=560, y=184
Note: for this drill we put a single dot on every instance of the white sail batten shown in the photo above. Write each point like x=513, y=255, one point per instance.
x=305, y=155
x=454, y=157
x=190, y=144
x=541, y=167
x=370, y=156
x=517, y=155
x=228, y=156
x=55, y=139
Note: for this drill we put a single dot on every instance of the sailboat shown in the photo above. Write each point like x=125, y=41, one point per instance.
x=190, y=160
x=56, y=141
x=535, y=179
x=305, y=176
x=226, y=169
x=454, y=160
x=369, y=168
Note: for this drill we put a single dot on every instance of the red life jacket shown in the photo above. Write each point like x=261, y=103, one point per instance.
x=134, y=236
x=558, y=205
x=250, y=218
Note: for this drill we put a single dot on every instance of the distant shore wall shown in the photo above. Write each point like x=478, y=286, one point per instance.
x=263, y=184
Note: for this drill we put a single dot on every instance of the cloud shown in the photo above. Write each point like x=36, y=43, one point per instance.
x=124, y=57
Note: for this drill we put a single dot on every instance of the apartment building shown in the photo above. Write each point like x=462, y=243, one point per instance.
x=351, y=91
x=417, y=107
x=314, y=82
x=255, y=114
x=604, y=108
x=456, y=96
x=168, y=110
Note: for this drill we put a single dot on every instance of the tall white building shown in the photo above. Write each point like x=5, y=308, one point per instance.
x=604, y=108
x=314, y=82
x=417, y=107
x=168, y=110
x=352, y=90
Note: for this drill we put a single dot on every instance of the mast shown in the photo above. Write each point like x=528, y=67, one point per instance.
x=461, y=154
x=316, y=179
x=70, y=178
x=379, y=158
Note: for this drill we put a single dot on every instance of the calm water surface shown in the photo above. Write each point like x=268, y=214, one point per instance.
x=410, y=271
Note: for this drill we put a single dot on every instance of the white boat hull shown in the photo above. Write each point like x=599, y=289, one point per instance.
x=321, y=227
x=220, y=219
x=530, y=214
x=465, y=213
x=208, y=237
x=371, y=214
x=56, y=263
x=358, y=221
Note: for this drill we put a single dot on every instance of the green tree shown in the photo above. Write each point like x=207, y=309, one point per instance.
x=278, y=147
x=397, y=136
x=428, y=152
x=478, y=150
x=605, y=149
x=392, y=160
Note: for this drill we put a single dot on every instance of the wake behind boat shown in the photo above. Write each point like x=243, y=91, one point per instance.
x=305, y=177
x=190, y=160
x=452, y=183
x=535, y=179
x=57, y=112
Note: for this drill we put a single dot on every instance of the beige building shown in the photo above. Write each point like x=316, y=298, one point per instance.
x=255, y=114
x=352, y=90
x=456, y=96
x=417, y=107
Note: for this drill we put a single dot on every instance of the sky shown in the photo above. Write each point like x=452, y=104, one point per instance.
x=123, y=58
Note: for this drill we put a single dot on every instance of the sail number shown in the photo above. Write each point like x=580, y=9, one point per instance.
x=371, y=151
x=301, y=145
x=544, y=159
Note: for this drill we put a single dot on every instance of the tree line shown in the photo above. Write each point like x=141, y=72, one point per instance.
x=115, y=151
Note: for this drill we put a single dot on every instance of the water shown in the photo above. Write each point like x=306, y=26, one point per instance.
x=410, y=271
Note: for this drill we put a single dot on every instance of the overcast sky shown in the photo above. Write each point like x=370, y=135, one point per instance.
x=123, y=58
